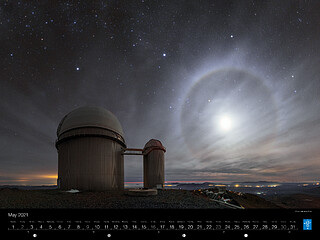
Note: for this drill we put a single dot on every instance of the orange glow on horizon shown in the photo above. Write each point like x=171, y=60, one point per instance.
x=53, y=176
x=31, y=179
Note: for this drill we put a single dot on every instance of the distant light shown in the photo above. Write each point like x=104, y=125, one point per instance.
x=164, y=54
x=231, y=36
x=77, y=68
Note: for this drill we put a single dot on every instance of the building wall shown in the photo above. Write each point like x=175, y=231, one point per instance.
x=90, y=162
x=153, y=169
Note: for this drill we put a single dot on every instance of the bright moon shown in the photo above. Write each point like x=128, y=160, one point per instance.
x=225, y=123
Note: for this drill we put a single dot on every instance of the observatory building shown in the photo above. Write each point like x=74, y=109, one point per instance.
x=153, y=164
x=91, y=151
x=90, y=145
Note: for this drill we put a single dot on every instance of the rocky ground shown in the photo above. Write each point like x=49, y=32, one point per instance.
x=304, y=201
x=166, y=199
x=244, y=200
x=251, y=201
x=54, y=198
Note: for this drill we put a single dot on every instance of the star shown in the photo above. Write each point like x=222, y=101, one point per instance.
x=159, y=63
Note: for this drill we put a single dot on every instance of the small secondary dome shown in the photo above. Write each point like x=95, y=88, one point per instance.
x=153, y=144
x=153, y=164
x=90, y=117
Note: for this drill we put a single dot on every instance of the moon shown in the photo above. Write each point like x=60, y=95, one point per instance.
x=225, y=123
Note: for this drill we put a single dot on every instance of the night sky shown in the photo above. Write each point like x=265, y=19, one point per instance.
x=231, y=88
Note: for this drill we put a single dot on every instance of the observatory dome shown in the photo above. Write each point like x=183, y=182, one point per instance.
x=90, y=117
x=154, y=143
x=90, y=145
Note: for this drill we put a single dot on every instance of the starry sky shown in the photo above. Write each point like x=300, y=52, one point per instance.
x=231, y=88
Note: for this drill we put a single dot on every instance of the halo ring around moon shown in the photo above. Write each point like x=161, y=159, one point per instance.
x=234, y=91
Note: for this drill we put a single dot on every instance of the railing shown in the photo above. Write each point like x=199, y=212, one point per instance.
x=139, y=151
x=132, y=151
